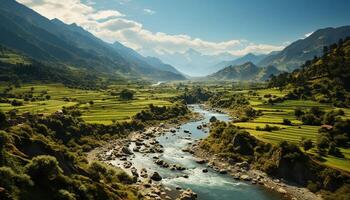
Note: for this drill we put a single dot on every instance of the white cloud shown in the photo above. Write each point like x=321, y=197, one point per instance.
x=149, y=11
x=104, y=14
x=111, y=25
x=257, y=48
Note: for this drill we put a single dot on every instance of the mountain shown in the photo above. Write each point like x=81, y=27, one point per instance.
x=158, y=64
x=325, y=79
x=54, y=42
x=245, y=72
x=150, y=62
x=294, y=55
x=239, y=61
x=16, y=68
x=192, y=62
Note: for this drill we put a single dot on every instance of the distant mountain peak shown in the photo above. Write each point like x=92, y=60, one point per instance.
x=245, y=72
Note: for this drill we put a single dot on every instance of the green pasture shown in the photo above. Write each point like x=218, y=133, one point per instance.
x=105, y=109
x=273, y=115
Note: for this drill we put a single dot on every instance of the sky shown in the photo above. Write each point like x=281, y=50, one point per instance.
x=237, y=27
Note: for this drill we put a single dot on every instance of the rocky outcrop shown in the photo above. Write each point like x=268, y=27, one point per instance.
x=187, y=195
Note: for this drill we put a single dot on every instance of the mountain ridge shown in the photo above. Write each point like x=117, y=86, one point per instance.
x=54, y=42
x=295, y=54
x=245, y=72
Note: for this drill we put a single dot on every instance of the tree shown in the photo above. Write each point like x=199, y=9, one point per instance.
x=287, y=122
x=43, y=168
x=307, y=144
x=4, y=138
x=126, y=94
x=3, y=120
x=298, y=112
x=322, y=143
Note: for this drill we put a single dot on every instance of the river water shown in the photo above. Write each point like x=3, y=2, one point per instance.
x=208, y=186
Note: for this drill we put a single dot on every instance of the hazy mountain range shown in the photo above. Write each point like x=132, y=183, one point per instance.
x=54, y=42
x=239, y=61
x=244, y=72
x=194, y=63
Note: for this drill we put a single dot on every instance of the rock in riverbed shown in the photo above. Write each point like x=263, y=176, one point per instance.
x=201, y=161
x=156, y=177
x=143, y=173
x=127, y=164
x=187, y=195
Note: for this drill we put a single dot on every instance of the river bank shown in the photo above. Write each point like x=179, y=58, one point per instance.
x=245, y=172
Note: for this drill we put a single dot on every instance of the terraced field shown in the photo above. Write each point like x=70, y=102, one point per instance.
x=106, y=108
x=273, y=115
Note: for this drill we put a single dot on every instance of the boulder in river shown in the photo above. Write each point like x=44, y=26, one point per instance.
x=136, y=149
x=156, y=177
x=282, y=191
x=245, y=177
x=134, y=172
x=127, y=164
x=125, y=150
x=143, y=173
x=201, y=161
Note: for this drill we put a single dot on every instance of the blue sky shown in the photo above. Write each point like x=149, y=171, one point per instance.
x=210, y=27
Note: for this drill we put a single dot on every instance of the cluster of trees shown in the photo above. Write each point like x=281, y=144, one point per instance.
x=195, y=95
x=6, y=95
x=126, y=94
x=334, y=132
x=324, y=79
x=220, y=101
x=162, y=112
x=313, y=116
x=268, y=128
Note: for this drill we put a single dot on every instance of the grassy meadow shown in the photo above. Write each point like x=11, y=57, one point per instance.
x=97, y=106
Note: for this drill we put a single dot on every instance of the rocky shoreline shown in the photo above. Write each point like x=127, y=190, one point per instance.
x=243, y=171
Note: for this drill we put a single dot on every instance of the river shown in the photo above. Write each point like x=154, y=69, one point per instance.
x=208, y=186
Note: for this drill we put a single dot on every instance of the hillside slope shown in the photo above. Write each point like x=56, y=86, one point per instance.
x=325, y=79
x=302, y=50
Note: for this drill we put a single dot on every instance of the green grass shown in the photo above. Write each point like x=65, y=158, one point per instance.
x=105, y=111
x=106, y=107
x=273, y=115
x=44, y=107
x=12, y=58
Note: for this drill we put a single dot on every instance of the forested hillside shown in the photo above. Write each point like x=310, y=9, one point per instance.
x=325, y=79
